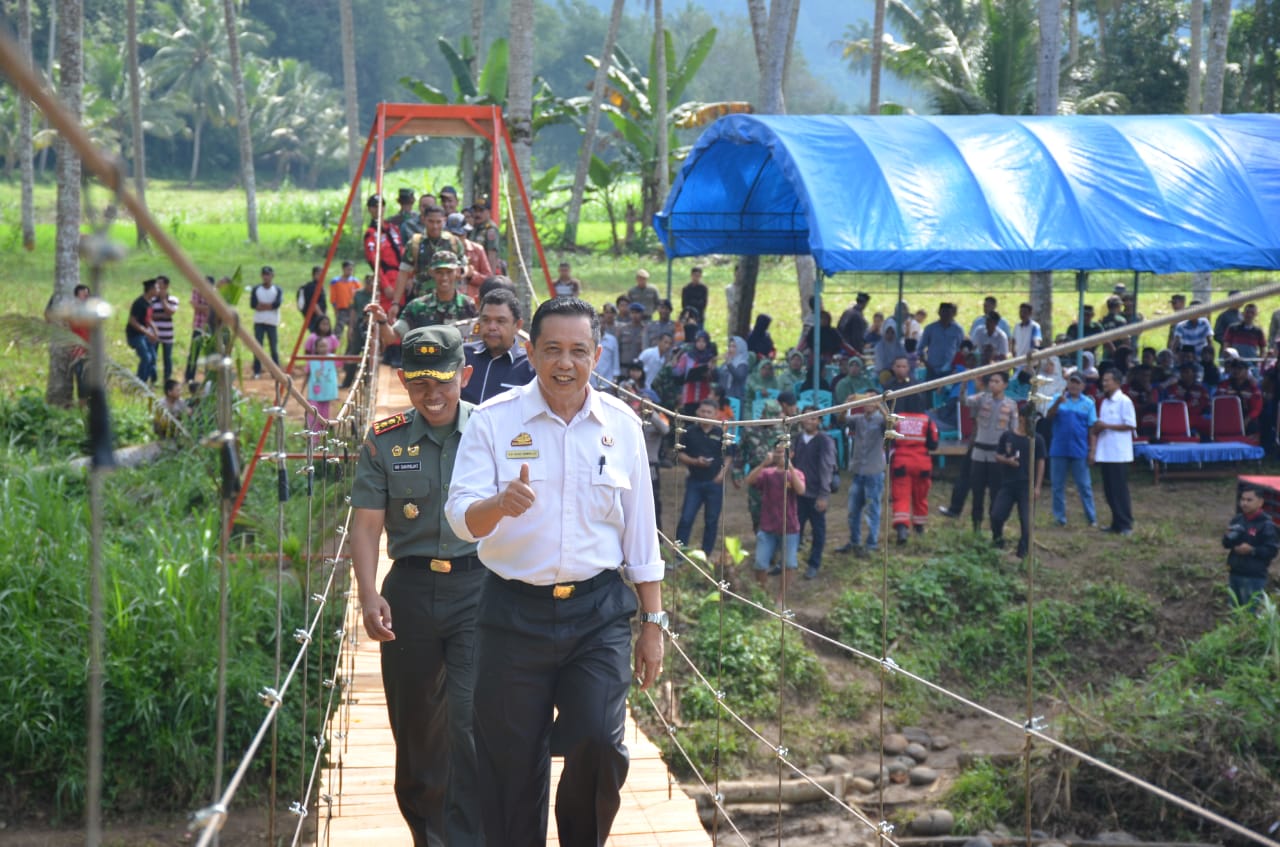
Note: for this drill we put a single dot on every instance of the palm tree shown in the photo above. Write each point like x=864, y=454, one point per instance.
x=593, y=124
x=294, y=112
x=135, y=115
x=67, y=243
x=877, y=58
x=192, y=58
x=1047, y=70
x=242, y=122
x=658, y=73
x=351, y=99
x=1194, y=61
x=520, y=126
x=25, y=130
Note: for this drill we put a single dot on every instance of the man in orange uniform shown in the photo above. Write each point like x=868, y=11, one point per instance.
x=910, y=466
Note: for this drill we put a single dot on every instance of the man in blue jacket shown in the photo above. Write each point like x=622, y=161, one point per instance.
x=1072, y=415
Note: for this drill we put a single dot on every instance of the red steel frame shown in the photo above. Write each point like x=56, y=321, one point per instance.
x=392, y=119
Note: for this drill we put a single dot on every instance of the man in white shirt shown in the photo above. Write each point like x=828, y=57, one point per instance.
x=989, y=334
x=1113, y=451
x=653, y=357
x=1026, y=333
x=265, y=300
x=989, y=305
x=552, y=480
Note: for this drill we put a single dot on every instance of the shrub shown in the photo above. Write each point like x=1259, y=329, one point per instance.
x=981, y=797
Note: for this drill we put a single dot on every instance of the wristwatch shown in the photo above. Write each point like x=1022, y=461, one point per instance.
x=659, y=617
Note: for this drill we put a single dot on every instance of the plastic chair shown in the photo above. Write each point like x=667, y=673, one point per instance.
x=736, y=405
x=1173, y=424
x=1227, y=421
x=822, y=400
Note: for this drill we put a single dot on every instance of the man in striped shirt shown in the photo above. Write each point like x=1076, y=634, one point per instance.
x=163, y=307
x=1193, y=332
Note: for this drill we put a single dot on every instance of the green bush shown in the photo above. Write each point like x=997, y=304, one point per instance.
x=964, y=584
x=161, y=601
x=981, y=797
x=858, y=619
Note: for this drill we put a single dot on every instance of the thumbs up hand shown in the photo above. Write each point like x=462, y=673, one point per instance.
x=518, y=496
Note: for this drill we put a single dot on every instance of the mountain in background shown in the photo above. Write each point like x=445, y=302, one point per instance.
x=821, y=22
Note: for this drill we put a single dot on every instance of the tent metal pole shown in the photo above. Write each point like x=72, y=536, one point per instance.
x=704, y=317
x=899, y=312
x=1136, y=276
x=1082, y=285
x=817, y=335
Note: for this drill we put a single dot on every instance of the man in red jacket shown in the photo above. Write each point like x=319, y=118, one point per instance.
x=382, y=250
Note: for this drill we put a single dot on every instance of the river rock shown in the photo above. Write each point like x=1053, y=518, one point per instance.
x=898, y=773
x=906, y=761
x=922, y=776
x=1050, y=843
x=816, y=770
x=980, y=841
x=916, y=734
x=917, y=751
x=835, y=763
x=940, y=742
x=873, y=774
x=932, y=822
x=895, y=744
x=862, y=785
x=1115, y=837
x=1003, y=831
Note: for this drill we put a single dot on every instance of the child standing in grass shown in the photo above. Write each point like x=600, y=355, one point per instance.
x=322, y=374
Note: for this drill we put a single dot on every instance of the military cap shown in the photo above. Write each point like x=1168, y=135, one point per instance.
x=445, y=259
x=431, y=351
x=405, y=195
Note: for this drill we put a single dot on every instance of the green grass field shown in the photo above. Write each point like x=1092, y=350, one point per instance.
x=296, y=227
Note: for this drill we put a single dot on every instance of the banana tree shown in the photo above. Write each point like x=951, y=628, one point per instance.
x=629, y=106
x=489, y=88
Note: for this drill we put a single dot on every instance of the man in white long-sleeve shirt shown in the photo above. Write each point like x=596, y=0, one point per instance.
x=552, y=480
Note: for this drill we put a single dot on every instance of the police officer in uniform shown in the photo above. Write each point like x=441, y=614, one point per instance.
x=425, y=614
x=553, y=480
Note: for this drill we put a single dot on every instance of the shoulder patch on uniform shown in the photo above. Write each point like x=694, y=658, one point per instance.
x=388, y=424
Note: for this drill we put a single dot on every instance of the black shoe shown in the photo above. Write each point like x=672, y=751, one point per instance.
x=919, y=529
x=998, y=543
x=862, y=552
x=945, y=512
x=776, y=570
x=811, y=573
x=901, y=529
x=845, y=548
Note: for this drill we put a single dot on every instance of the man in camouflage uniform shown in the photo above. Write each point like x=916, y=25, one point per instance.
x=487, y=234
x=443, y=305
x=757, y=443
x=415, y=267
x=431, y=591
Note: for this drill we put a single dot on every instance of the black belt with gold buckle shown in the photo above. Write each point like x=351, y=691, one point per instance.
x=563, y=590
x=461, y=564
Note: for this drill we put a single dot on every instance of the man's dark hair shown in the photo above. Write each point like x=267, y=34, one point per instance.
x=568, y=307
x=169, y=385
x=993, y=317
x=496, y=281
x=433, y=210
x=162, y=278
x=1004, y=377
x=78, y=289
x=695, y=269
x=1115, y=374
x=1255, y=488
x=148, y=285
x=502, y=297
x=450, y=190
x=1025, y=306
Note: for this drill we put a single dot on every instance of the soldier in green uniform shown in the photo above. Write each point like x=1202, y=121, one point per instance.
x=420, y=251
x=487, y=234
x=444, y=305
x=430, y=594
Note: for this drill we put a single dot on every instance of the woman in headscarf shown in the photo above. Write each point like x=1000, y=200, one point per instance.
x=763, y=381
x=888, y=347
x=1051, y=369
x=736, y=369
x=760, y=341
x=696, y=366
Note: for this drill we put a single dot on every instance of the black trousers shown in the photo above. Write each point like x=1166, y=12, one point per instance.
x=428, y=676
x=1012, y=494
x=1115, y=485
x=983, y=479
x=535, y=655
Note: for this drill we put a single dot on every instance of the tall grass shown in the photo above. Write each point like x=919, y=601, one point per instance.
x=161, y=587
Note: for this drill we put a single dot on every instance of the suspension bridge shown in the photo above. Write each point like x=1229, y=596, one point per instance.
x=342, y=792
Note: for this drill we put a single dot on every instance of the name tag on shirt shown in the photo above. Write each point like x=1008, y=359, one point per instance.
x=406, y=466
x=522, y=454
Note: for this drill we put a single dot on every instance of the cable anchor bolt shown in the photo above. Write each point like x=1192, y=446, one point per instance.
x=889, y=664
x=302, y=636
x=297, y=809
x=269, y=697
x=885, y=828
x=214, y=815
x=1036, y=724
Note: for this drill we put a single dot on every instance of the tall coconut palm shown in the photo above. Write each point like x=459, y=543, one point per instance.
x=351, y=100
x=475, y=61
x=135, y=116
x=193, y=59
x=66, y=260
x=1216, y=55
x=520, y=126
x=1047, y=70
x=242, y=121
x=1195, y=57
x=658, y=72
x=25, y=130
x=593, y=124
x=877, y=58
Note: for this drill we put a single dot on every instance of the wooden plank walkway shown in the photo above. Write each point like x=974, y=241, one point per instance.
x=654, y=812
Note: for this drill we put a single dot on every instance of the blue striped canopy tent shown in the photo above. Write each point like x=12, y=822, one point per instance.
x=984, y=193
